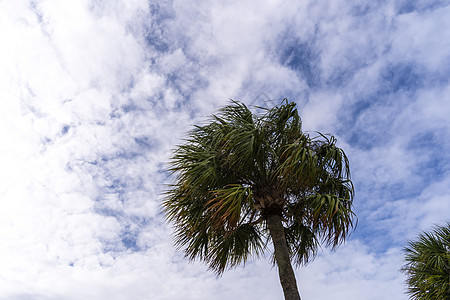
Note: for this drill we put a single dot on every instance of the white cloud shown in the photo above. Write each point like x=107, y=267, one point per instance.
x=96, y=93
x=354, y=272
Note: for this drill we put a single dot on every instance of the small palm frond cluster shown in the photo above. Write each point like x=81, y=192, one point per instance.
x=241, y=167
x=427, y=265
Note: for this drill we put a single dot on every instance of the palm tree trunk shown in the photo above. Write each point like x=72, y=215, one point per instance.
x=285, y=271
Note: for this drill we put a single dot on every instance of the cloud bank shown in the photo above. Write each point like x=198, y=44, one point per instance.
x=95, y=94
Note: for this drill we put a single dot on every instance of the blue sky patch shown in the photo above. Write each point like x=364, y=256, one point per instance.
x=406, y=6
x=431, y=155
x=65, y=129
x=303, y=58
x=401, y=77
x=129, y=240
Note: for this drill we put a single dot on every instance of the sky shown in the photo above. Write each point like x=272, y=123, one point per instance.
x=95, y=95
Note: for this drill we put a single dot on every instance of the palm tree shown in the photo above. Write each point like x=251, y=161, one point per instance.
x=245, y=179
x=427, y=265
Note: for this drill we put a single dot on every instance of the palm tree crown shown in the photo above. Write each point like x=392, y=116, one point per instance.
x=239, y=170
x=427, y=265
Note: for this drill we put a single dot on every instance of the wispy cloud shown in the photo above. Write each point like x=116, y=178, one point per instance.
x=95, y=94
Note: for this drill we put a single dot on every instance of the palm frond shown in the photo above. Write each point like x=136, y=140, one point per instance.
x=427, y=264
x=231, y=248
x=302, y=241
x=226, y=205
x=331, y=216
x=298, y=165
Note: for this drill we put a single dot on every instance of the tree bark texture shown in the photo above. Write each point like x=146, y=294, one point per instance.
x=285, y=271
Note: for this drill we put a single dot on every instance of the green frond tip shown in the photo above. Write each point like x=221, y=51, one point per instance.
x=427, y=264
x=239, y=168
x=303, y=243
x=231, y=248
x=226, y=205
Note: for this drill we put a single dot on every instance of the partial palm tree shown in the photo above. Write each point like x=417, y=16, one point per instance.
x=427, y=265
x=244, y=180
